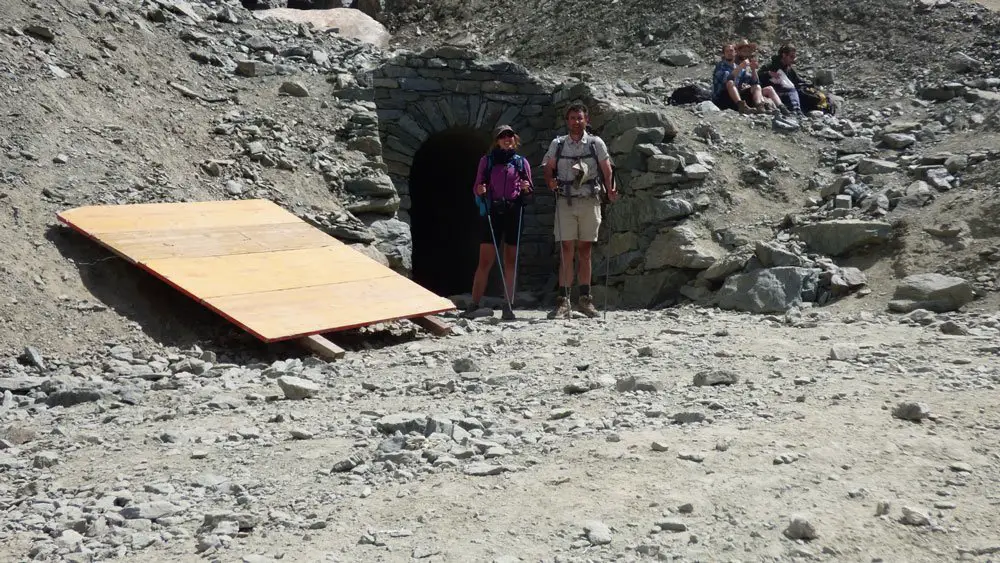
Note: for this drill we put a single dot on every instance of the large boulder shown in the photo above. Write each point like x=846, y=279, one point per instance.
x=680, y=247
x=393, y=239
x=653, y=288
x=622, y=118
x=728, y=265
x=840, y=236
x=773, y=290
x=934, y=292
x=623, y=144
x=348, y=23
x=637, y=213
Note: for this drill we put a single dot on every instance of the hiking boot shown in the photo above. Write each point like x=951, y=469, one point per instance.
x=587, y=306
x=475, y=311
x=744, y=108
x=508, y=313
x=562, y=310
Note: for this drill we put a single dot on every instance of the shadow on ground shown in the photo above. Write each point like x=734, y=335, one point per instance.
x=171, y=318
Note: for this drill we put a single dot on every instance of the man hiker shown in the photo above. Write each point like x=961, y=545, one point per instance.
x=780, y=75
x=577, y=167
x=502, y=180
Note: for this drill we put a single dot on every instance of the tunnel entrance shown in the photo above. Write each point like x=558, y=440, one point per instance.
x=444, y=219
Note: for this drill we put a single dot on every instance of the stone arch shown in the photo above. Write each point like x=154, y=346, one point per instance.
x=448, y=89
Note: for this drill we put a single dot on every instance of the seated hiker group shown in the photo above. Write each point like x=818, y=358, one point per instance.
x=740, y=83
x=577, y=168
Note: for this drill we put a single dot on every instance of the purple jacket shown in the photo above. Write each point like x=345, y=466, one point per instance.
x=503, y=181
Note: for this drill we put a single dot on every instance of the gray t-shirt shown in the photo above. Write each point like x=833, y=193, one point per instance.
x=571, y=152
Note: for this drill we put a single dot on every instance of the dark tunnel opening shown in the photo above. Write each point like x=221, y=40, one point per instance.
x=444, y=218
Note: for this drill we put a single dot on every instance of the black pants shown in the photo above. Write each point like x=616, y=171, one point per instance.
x=506, y=219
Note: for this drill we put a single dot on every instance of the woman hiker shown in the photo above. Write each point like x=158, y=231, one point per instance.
x=503, y=178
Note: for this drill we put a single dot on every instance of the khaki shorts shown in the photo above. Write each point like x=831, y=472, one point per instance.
x=579, y=220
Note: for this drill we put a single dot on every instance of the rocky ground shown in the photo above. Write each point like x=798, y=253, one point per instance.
x=134, y=424
x=674, y=435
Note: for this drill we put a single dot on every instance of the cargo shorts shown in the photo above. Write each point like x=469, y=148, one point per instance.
x=578, y=218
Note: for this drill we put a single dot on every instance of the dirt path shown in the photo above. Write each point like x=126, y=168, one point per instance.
x=798, y=434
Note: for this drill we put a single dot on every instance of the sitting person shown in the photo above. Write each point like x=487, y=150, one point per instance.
x=749, y=80
x=780, y=76
x=725, y=80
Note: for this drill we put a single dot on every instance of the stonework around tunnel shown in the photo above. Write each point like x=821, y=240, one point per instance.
x=646, y=250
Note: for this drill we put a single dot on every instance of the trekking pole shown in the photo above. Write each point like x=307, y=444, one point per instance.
x=517, y=253
x=558, y=245
x=489, y=219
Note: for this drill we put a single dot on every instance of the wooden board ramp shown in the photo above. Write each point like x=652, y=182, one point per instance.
x=260, y=267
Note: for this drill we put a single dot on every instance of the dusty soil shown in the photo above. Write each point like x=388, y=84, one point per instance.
x=156, y=431
x=799, y=435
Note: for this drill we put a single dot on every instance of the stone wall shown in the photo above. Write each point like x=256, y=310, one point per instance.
x=647, y=250
x=420, y=94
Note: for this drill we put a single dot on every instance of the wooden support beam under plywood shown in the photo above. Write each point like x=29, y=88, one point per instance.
x=432, y=324
x=322, y=347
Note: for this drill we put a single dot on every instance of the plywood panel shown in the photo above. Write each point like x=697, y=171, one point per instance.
x=295, y=311
x=195, y=243
x=268, y=271
x=98, y=220
x=257, y=265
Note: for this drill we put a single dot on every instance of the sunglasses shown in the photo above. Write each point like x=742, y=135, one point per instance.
x=505, y=135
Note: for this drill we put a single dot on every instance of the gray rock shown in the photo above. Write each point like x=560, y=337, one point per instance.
x=404, y=422
x=844, y=352
x=800, y=529
x=72, y=397
x=909, y=410
x=773, y=290
x=32, y=357
x=598, y=533
x=464, y=365
x=680, y=247
x=295, y=89
x=824, y=77
x=671, y=525
x=728, y=265
x=716, y=377
x=960, y=62
x=394, y=241
x=633, y=214
x=772, y=254
x=632, y=383
x=934, y=292
x=296, y=388
x=688, y=417
x=150, y=510
x=662, y=164
x=840, y=236
x=876, y=166
x=21, y=384
x=953, y=328
x=626, y=142
x=234, y=188
x=679, y=57
x=378, y=186
x=898, y=140
x=915, y=517
x=44, y=460
x=484, y=469
x=696, y=171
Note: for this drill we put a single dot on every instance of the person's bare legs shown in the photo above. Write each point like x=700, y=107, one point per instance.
x=770, y=94
x=566, y=266
x=584, y=250
x=509, y=258
x=734, y=94
x=486, y=260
